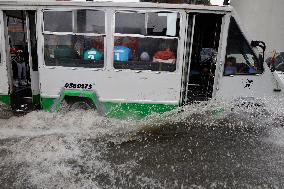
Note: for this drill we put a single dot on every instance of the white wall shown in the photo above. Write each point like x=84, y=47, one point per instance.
x=263, y=20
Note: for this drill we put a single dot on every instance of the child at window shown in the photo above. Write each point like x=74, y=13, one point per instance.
x=230, y=66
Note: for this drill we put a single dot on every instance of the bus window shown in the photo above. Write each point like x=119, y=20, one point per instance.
x=130, y=23
x=58, y=21
x=240, y=58
x=87, y=24
x=154, y=49
x=74, y=51
x=82, y=47
x=140, y=53
x=163, y=24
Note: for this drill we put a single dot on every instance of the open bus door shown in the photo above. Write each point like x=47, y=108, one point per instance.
x=20, y=42
x=203, y=36
x=31, y=19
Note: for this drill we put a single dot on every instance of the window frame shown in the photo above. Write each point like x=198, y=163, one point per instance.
x=2, y=46
x=246, y=42
x=88, y=34
x=145, y=11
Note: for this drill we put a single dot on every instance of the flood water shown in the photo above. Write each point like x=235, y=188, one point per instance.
x=212, y=146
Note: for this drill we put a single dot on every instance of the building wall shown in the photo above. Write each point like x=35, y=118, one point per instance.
x=263, y=20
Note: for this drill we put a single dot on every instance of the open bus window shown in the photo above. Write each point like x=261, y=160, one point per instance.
x=155, y=48
x=240, y=58
x=74, y=51
x=163, y=24
x=82, y=46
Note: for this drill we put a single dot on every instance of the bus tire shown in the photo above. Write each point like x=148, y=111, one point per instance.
x=81, y=105
x=77, y=103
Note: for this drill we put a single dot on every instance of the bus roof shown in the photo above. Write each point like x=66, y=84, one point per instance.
x=32, y=3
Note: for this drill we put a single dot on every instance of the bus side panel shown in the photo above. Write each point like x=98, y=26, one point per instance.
x=252, y=87
x=4, y=85
x=112, y=88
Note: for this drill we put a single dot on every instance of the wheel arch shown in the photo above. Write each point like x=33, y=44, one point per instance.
x=70, y=95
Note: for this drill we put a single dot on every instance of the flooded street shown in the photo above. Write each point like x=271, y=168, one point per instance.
x=199, y=147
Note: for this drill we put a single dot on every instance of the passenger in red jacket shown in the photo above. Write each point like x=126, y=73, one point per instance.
x=166, y=56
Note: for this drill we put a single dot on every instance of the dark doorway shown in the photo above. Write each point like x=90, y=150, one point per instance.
x=201, y=63
x=18, y=26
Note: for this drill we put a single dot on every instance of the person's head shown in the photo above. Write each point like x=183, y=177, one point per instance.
x=231, y=61
x=20, y=52
x=164, y=47
x=125, y=43
x=118, y=41
x=144, y=56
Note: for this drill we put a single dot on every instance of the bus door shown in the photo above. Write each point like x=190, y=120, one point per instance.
x=20, y=41
x=201, y=56
x=31, y=20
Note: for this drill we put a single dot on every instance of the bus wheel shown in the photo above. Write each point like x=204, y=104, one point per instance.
x=77, y=103
x=81, y=105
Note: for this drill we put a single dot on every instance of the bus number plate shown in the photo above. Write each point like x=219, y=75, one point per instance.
x=78, y=86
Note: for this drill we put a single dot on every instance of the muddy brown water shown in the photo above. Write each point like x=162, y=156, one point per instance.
x=194, y=148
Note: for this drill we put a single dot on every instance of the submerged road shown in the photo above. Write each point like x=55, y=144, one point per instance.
x=196, y=148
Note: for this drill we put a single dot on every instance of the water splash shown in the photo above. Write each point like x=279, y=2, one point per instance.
x=207, y=145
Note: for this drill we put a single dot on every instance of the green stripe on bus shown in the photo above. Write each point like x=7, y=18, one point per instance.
x=5, y=99
x=135, y=110
x=36, y=100
x=114, y=109
x=47, y=103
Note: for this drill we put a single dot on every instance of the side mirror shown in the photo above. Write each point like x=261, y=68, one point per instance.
x=262, y=45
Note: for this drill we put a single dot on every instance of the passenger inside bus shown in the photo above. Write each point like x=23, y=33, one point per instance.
x=20, y=66
x=21, y=38
x=93, y=51
x=74, y=51
x=203, y=56
x=92, y=54
x=241, y=53
x=230, y=66
x=125, y=49
x=151, y=37
x=165, y=56
x=141, y=54
x=235, y=65
x=18, y=49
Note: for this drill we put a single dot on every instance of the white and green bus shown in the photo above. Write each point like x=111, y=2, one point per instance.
x=126, y=59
